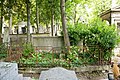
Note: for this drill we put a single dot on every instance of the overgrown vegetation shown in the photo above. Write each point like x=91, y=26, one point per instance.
x=98, y=38
x=28, y=49
x=46, y=59
x=3, y=51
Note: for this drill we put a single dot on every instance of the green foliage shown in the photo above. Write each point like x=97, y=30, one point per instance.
x=73, y=56
x=77, y=33
x=102, y=35
x=48, y=59
x=33, y=59
x=74, y=38
x=3, y=51
x=45, y=59
x=98, y=37
x=27, y=49
x=95, y=33
x=18, y=9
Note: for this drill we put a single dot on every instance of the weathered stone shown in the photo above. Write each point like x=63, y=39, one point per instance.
x=9, y=71
x=58, y=73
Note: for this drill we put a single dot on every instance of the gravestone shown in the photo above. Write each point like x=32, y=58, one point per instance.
x=58, y=73
x=9, y=71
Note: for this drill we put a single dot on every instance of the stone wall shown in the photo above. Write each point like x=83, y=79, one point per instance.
x=38, y=40
x=47, y=41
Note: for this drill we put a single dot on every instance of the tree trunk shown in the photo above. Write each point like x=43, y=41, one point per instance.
x=52, y=24
x=37, y=16
x=52, y=19
x=10, y=18
x=47, y=27
x=1, y=25
x=28, y=21
x=63, y=18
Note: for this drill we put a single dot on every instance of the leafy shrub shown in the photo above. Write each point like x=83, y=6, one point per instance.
x=73, y=55
x=102, y=37
x=97, y=37
x=3, y=51
x=27, y=49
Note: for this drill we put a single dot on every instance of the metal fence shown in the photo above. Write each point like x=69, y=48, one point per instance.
x=45, y=57
x=57, y=56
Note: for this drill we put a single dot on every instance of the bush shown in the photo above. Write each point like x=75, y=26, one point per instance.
x=97, y=37
x=3, y=51
x=28, y=49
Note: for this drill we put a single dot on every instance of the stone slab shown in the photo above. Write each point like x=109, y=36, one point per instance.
x=58, y=73
x=8, y=70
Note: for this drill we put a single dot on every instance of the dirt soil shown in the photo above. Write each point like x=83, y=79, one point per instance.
x=96, y=75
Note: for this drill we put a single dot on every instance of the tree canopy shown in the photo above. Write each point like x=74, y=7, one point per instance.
x=76, y=10
x=47, y=12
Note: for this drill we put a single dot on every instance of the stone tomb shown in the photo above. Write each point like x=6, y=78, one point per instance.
x=9, y=71
x=58, y=73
